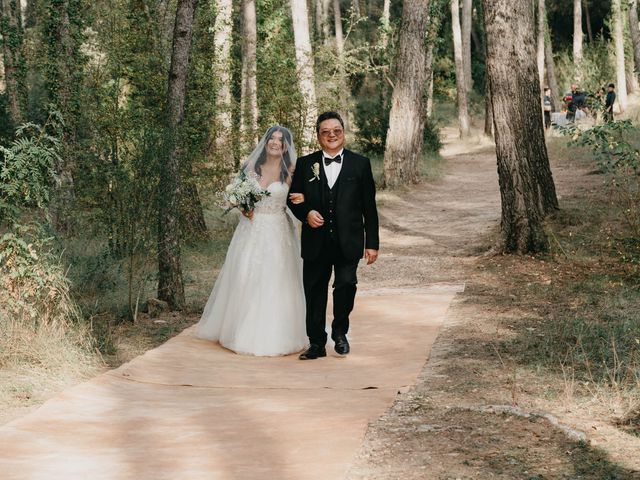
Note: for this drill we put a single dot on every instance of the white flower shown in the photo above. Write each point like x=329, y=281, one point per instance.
x=315, y=169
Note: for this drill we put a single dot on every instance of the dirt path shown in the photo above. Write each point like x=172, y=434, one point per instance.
x=429, y=231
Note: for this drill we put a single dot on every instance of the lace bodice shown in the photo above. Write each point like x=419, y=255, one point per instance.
x=276, y=202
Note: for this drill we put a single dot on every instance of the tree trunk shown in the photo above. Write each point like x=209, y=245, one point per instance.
x=630, y=76
x=222, y=40
x=463, y=113
x=434, y=22
x=63, y=28
x=326, y=31
x=385, y=22
x=304, y=60
x=404, y=137
x=337, y=18
x=356, y=8
x=520, y=146
x=540, y=32
x=481, y=42
x=467, y=13
x=635, y=34
x=249, y=88
x=170, y=282
x=430, y=80
x=488, y=110
x=322, y=23
x=12, y=38
x=551, y=68
x=319, y=19
x=577, y=34
x=618, y=35
x=587, y=18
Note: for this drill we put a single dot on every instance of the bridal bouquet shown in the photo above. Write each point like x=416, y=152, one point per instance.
x=244, y=192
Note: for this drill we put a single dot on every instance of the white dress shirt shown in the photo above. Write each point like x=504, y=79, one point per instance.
x=332, y=171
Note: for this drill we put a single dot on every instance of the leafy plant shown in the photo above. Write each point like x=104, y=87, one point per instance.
x=27, y=168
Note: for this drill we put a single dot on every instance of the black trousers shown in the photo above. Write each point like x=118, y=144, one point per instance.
x=316, y=276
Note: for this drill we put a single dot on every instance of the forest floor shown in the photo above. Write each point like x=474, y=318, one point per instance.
x=467, y=416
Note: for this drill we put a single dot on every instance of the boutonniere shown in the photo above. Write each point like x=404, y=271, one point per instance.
x=315, y=169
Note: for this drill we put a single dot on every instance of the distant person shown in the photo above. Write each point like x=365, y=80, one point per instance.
x=547, y=107
x=608, y=104
x=575, y=101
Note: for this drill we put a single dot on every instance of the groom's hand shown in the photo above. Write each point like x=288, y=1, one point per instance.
x=314, y=219
x=370, y=255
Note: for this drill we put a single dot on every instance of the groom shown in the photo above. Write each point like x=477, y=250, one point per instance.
x=340, y=222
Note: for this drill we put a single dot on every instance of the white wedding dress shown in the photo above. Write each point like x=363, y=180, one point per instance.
x=257, y=305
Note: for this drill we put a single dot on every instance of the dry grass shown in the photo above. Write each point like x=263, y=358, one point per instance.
x=44, y=344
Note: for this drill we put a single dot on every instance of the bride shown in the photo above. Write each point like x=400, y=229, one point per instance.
x=257, y=305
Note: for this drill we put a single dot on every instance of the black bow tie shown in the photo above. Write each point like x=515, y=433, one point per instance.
x=328, y=161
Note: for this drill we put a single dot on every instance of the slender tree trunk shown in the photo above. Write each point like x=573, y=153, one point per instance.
x=326, y=31
x=405, y=138
x=222, y=40
x=630, y=76
x=356, y=8
x=519, y=132
x=337, y=18
x=430, y=80
x=488, y=110
x=587, y=18
x=635, y=34
x=322, y=23
x=577, y=34
x=385, y=22
x=249, y=87
x=540, y=33
x=304, y=60
x=467, y=14
x=433, y=28
x=170, y=282
x=618, y=35
x=463, y=112
x=319, y=18
x=488, y=106
x=63, y=27
x=12, y=38
x=551, y=68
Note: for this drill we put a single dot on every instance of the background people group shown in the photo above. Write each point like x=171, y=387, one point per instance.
x=578, y=103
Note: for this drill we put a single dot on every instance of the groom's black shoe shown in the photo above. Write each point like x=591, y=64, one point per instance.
x=342, y=345
x=314, y=351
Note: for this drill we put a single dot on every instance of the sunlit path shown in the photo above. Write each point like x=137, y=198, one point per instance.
x=192, y=410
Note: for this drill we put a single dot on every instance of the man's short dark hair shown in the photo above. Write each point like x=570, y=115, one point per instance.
x=327, y=116
x=611, y=85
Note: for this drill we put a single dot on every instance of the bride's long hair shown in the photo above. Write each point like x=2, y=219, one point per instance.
x=259, y=156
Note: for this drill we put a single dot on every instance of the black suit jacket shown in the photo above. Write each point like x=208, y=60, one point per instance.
x=355, y=214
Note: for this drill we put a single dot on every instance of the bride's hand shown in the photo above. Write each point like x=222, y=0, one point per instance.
x=296, y=198
x=249, y=214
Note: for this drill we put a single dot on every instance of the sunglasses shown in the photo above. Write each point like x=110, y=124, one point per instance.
x=336, y=132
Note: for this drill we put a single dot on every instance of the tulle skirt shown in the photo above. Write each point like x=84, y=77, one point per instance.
x=257, y=305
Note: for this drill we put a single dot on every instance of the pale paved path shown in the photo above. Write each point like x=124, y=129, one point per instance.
x=192, y=410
